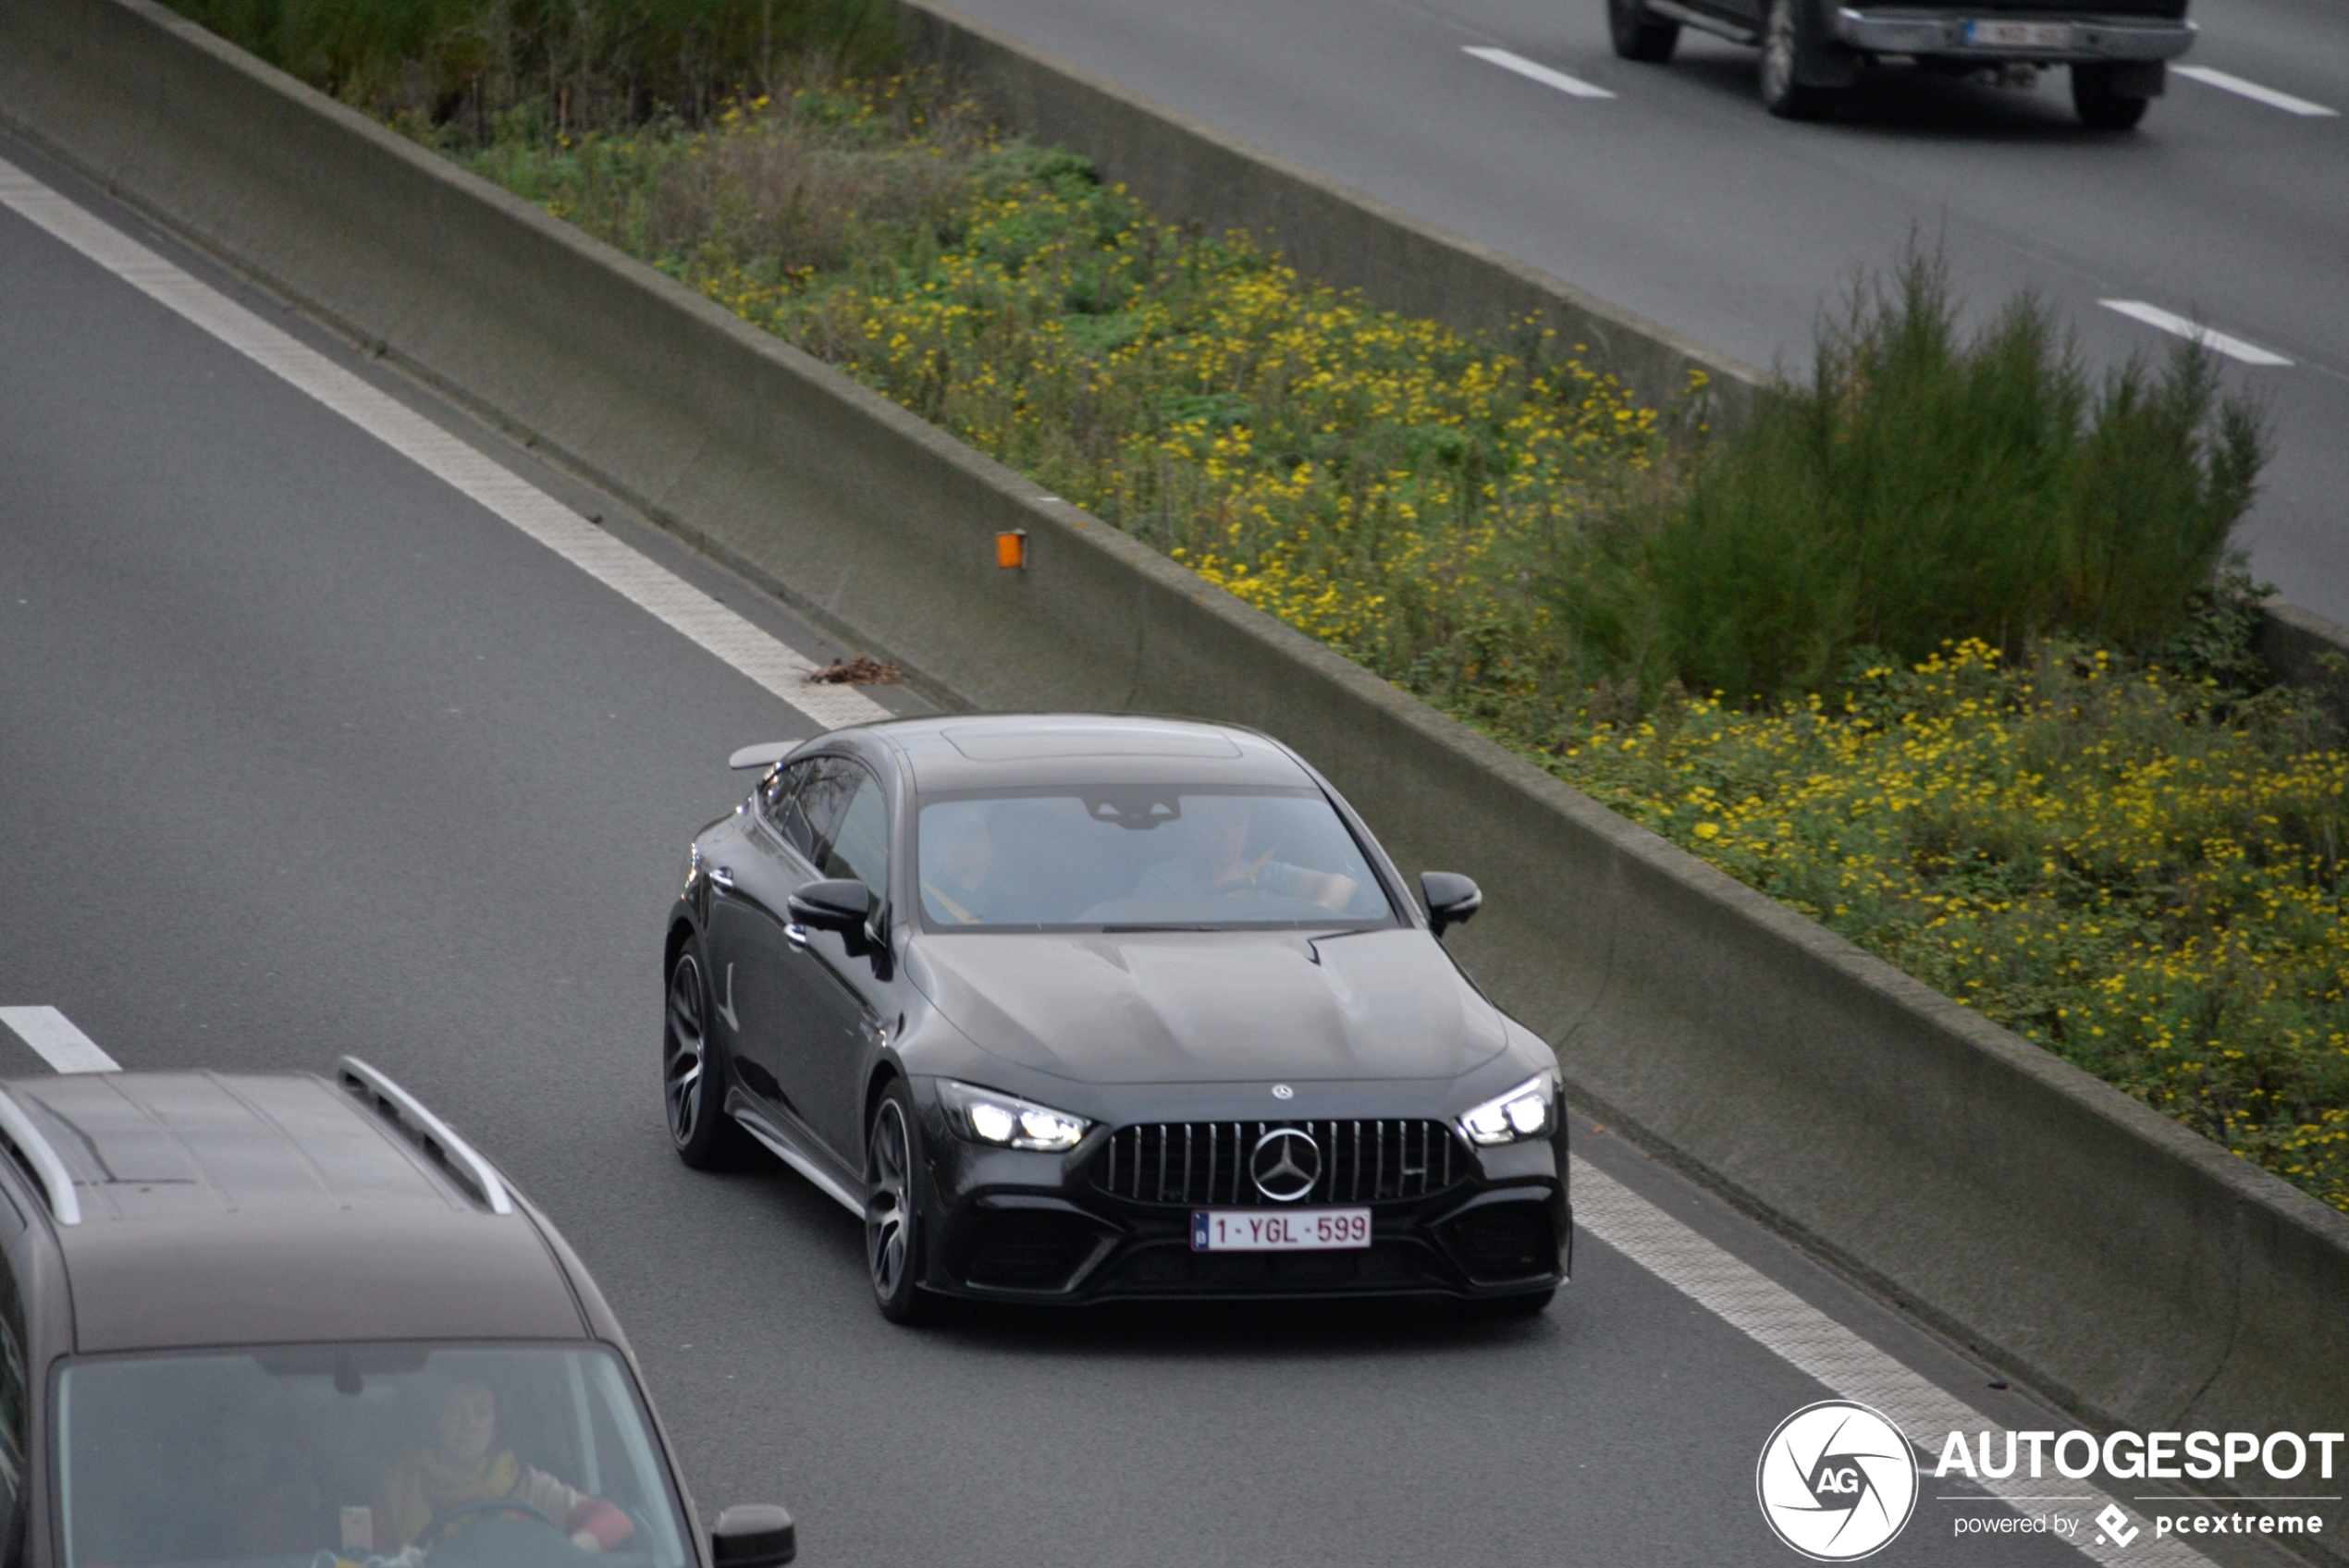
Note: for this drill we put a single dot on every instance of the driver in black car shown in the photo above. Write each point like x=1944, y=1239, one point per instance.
x=461, y=1466
x=1215, y=862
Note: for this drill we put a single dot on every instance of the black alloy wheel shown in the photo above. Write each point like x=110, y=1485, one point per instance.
x=2097, y=105
x=692, y=1080
x=1788, y=43
x=1639, y=33
x=893, y=1210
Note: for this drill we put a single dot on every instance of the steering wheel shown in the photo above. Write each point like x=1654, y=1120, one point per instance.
x=429, y=1537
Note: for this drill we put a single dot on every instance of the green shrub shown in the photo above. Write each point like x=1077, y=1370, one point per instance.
x=1925, y=489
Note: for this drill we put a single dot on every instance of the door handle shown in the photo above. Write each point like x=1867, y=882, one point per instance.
x=722, y=878
x=795, y=934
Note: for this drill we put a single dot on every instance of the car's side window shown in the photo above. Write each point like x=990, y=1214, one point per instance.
x=858, y=847
x=784, y=799
x=817, y=804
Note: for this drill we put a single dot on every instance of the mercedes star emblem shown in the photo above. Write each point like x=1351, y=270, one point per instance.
x=1285, y=1165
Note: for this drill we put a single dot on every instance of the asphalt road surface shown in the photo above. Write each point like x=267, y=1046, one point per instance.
x=1680, y=199
x=303, y=753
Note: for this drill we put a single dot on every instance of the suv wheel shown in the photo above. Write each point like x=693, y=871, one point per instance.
x=2097, y=105
x=693, y=1075
x=1639, y=33
x=1789, y=41
x=893, y=1210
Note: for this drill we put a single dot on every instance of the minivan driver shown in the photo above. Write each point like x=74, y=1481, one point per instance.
x=461, y=1463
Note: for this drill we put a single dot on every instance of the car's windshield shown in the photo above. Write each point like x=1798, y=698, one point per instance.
x=1141, y=856
x=512, y=1455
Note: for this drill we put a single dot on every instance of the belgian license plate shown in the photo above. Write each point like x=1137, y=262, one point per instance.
x=1289, y=1230
x=2020, y=35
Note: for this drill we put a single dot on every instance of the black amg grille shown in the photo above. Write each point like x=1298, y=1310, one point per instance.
x=1206, y=1162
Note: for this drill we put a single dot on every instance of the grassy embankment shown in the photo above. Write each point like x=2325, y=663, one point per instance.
x=1927, y=653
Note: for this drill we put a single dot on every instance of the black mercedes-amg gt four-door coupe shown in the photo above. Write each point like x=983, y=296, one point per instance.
x=1072, y=1008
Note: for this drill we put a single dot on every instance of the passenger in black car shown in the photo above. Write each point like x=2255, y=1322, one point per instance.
x=1215, y=862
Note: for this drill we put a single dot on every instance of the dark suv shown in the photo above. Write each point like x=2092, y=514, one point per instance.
x=2117, y=49
x=279, y=1320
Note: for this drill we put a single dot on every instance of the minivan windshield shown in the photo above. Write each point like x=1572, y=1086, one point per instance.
x=1138, y=857
x=514, y=1455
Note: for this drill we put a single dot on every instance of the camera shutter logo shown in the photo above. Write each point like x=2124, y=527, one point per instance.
x=1837, y=1481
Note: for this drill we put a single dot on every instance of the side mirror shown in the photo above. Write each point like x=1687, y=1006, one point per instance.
x=847, y=906
x=1452, y=898
x=754, y=1534
x=842, y=904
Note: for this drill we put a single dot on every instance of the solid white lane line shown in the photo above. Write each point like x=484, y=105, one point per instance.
x=2194, y=332
x=1535, y=71
x=653, y=588
x=2252, y=89
x=1817, y=1345
x=61, y=1045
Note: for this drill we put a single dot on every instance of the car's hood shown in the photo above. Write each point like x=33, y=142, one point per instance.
x=1212, y=1007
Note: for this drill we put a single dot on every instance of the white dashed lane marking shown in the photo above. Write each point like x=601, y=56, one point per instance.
x=2194, y=332
x=1534, y=71
x=52, y=1035
x=1817, y=1345
x=2253, y=91
x=651, y=587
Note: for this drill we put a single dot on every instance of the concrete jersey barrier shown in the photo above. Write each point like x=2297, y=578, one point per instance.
x=2131, y=1267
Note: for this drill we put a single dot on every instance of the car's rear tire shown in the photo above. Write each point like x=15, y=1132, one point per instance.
x=1789, y=43
x=1639, y=33
x=692, y=1071
x=2098, y=106
x=893, y=1210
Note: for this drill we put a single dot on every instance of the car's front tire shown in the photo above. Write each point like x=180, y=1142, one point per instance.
x=692, y=1071
x=1790, y=42
x=893, y=1209
x=1639, y=33
x=2098, y=106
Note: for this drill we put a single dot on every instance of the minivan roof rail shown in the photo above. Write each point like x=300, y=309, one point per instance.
x=427, y=1132
x=42, y=1159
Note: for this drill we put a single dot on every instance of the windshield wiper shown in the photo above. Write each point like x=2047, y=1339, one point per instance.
x=1120, y=930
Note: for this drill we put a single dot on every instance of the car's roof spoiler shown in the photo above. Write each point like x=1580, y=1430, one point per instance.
x=764, y=754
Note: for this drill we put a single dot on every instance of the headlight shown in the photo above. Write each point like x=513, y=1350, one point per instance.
x=992, y=1118
x=1530, y=1110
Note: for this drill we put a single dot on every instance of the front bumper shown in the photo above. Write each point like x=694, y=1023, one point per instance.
x=1946, y=35
x=1007, y=1225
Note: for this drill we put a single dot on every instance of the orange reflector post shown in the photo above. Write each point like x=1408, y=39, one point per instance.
x=1010, y=550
